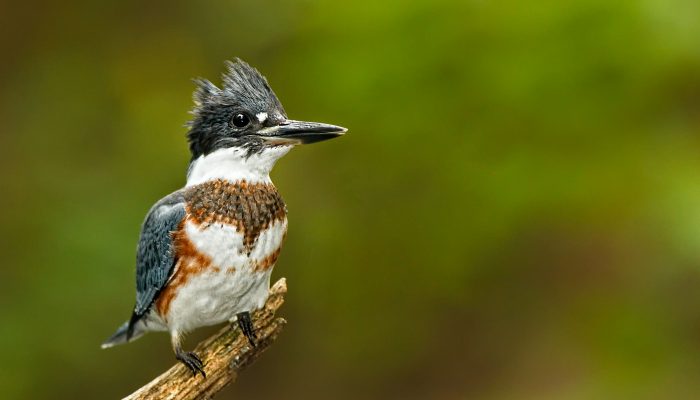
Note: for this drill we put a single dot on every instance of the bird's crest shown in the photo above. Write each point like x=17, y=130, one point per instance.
x=242, y=85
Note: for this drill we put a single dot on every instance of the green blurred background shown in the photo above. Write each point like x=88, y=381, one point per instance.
x=515, y=213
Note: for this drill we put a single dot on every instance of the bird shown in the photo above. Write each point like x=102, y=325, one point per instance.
x=206, y=251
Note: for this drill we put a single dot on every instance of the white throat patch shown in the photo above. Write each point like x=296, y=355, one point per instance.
x=232, y=164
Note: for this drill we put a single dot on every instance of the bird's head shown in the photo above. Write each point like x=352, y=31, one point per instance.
x=246, y=114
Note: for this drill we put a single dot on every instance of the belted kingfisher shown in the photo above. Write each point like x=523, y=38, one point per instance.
x=206, y=251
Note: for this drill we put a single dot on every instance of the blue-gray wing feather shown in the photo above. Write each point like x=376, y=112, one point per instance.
x=155, y=255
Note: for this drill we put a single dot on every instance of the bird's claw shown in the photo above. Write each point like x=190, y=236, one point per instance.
x=191, y=361
x=246, y=325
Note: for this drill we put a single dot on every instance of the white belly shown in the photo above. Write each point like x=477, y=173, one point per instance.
x=233, y=283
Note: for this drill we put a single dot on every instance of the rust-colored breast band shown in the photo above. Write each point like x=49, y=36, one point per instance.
x=190, y=262
x=267, y=262
x=250, y=207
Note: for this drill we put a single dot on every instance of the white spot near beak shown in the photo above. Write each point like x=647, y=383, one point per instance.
x=261, y=116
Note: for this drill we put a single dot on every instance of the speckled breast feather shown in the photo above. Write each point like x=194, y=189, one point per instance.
x=250, y=207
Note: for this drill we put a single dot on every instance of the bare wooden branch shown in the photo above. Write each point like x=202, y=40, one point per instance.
x=224, y=355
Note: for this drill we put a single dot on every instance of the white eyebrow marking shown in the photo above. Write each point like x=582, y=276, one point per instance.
x=261, y=116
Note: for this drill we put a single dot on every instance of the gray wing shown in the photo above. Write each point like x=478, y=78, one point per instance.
x=155, y=256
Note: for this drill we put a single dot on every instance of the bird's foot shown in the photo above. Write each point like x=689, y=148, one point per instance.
x=191, y=361
x=246, y=325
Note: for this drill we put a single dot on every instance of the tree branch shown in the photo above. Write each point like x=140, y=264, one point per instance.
x=224, y=354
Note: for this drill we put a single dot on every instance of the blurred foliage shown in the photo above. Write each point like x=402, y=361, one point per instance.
x=515, y=213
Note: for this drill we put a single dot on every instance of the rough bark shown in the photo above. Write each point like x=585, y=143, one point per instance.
x=224, y=354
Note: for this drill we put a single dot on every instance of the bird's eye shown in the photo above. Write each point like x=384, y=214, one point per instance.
x=241, y=120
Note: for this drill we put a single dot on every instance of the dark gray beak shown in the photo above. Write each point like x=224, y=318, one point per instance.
x=300, y=132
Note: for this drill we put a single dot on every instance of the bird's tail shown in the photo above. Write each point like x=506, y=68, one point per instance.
x=120, y=336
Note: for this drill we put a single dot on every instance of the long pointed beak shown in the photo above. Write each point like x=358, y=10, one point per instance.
x=300, y=132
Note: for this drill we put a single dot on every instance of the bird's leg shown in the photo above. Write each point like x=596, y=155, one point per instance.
x=246, y=325
x=188, y=358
